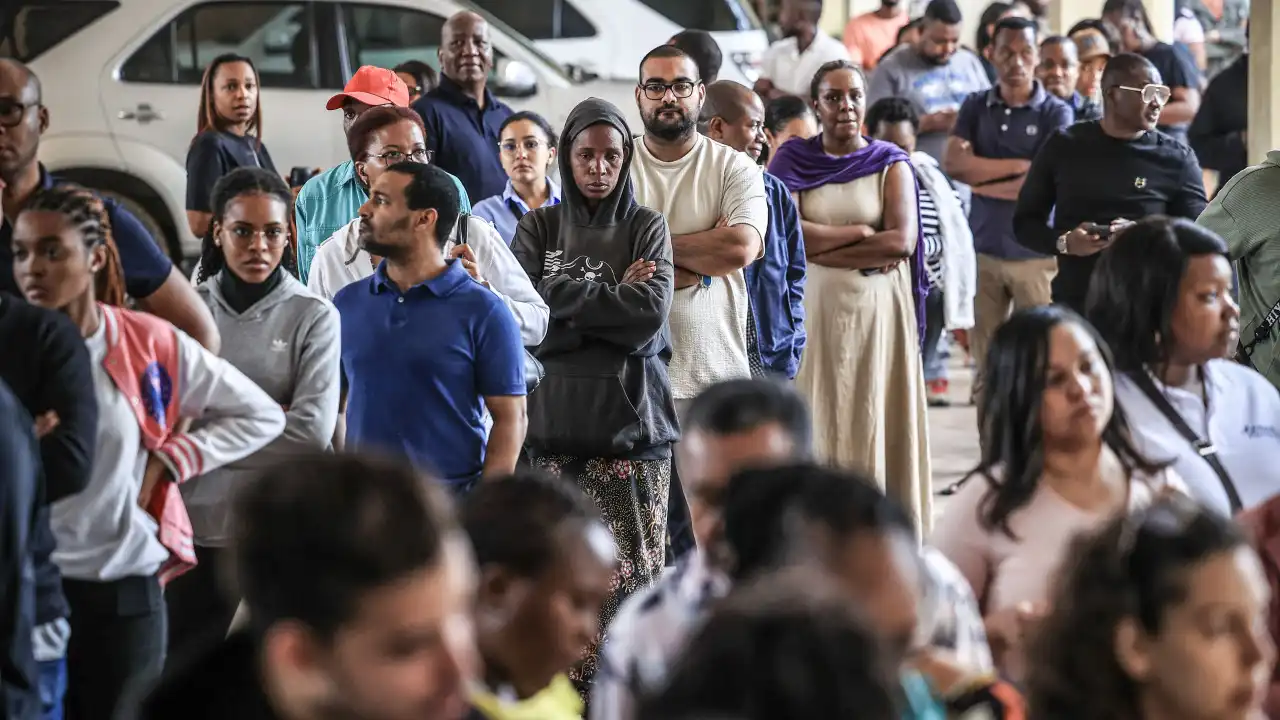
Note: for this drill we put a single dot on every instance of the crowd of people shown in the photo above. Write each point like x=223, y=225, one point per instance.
x=502, y=421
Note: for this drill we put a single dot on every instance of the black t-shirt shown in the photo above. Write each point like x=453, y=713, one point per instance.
x=1177, y=70
x=215, y=153
x=1084, y=175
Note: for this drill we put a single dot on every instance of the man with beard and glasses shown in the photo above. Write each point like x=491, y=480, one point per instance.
x=789, y=64
x=870, y=35
x=1091, y=179
x=463, y=118
x=714, y=201
x=935, y=74
x=150, y=278
x=734, y=116
x=426, y=349
x=359, y=587
x=1059, y=72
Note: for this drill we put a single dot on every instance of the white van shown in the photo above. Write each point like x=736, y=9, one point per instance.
x=121, y=80
x=609, y=37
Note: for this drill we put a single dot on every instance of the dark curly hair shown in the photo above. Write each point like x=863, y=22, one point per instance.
x=1133, y=568
x=85, y=211
x=239, y=183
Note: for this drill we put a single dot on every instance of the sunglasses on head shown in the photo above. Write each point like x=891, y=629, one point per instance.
x=1151, y=93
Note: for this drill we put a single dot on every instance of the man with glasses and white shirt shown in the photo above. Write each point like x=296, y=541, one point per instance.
x=714, y=200
x=1091, y=179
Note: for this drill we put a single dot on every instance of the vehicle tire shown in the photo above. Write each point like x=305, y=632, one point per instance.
x=149, y=222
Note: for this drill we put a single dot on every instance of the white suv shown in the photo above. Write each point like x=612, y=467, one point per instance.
x=121, y=80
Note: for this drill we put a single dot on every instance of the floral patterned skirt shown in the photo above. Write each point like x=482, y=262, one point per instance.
x=632, y=498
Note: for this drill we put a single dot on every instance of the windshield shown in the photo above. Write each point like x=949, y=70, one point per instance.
x=709, y=15
x=522, y=41
x=30, y=28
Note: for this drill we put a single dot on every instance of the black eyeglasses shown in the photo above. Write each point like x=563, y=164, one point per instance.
x=658, y=90
x=12, y=112
x=391, y=157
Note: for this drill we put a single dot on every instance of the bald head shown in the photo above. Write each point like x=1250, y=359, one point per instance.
x=466, y=55
x=18, y=82
x=728, y=100
x=1129, y=69
x=733, y=115
x=23, y=117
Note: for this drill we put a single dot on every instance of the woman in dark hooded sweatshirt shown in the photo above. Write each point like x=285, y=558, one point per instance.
x=604, y=413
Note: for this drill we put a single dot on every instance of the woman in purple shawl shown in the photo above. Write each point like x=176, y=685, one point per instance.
x=864, y=293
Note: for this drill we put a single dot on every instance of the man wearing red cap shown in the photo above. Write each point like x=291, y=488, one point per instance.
x=333, y=198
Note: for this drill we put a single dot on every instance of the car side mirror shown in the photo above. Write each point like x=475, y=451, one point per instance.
x=513, y=78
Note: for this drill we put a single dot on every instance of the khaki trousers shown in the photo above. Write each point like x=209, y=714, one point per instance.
x=1005, y=286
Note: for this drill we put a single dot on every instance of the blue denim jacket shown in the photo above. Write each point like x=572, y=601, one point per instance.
x=775, y=283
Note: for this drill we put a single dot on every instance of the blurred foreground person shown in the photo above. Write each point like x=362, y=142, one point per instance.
x=19, y=500
x=1161, y=614
x=359, y=587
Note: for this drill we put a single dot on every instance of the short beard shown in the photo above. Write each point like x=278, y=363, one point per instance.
x=669, y=132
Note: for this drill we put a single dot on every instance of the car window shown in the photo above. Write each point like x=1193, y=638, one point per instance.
x=710, y=15
x=30, y=28
x=276, y=36
x=541, y=19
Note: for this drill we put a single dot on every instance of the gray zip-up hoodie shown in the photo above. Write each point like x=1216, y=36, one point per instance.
x=287, y=343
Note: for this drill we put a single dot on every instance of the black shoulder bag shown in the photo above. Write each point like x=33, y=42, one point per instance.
x=533, y=370
x=1244, y=353
x=1202, y=445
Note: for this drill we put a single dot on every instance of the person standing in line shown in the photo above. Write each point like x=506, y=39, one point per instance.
x=733, y=115
x=945, y=236
x=360, y=592
x=149, y=378
x=714, y=200
x=1243, y=214
x=870, y=35
x=463, y=118
x=705, y=51
x=228, y=133
x=1226, y=31
x=528, y=150
x=865, y=294
x=1059, y=72
x=1220, y=131
x=1146, y=173
x=996, y=134
x=546, y=561
x=935, y=74
x=789, y=63
x=419, y=78
x=53, y=381
x=425, y=348
x=20, y=480
x=333, y=198
x=1174, y=65
x=1094, y=49
x=150, y=278
x=604, y=413
x=283, y=338
x=786, y=117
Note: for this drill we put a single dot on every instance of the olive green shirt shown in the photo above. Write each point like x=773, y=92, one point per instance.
x=1246, y=214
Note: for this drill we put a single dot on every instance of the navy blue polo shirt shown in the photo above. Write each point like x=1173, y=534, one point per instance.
x=419, y=363
x=145, y=266
x=998, y=131
x=464, y=138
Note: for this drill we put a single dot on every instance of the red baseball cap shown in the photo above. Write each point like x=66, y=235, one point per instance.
x=372, y=86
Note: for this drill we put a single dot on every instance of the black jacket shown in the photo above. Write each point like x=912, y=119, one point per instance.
x=222, y=684
x=1217, y=133
x=606, y=392
x=19, y=499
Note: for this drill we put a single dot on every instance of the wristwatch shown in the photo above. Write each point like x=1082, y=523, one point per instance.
x=1062, y=244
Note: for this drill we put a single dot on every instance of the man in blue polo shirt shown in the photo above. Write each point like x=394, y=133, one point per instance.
x=423, y=343
x=149, y=277
x=997, y=132
x=464, y=119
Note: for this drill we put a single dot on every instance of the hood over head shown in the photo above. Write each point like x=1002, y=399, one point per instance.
x=594, y=111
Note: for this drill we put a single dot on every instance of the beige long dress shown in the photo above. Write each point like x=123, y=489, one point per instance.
x=861, y=371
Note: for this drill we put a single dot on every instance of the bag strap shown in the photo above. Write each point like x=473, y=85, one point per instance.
x=1260, y=333
x=1202, y=445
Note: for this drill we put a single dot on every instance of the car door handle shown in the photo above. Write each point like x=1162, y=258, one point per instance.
x=142, y=114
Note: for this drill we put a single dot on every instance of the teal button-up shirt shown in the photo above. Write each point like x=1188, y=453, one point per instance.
x=329, y=201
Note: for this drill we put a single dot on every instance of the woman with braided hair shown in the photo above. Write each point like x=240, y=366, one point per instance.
x=285, y=339
x=127, y=533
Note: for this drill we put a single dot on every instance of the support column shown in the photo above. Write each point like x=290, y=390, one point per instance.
x=1264, y=74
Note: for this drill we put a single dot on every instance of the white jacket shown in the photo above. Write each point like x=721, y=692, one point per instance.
x=340, y=261
x=959, y=263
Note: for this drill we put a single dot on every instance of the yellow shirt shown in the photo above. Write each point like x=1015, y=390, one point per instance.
x=557, y=701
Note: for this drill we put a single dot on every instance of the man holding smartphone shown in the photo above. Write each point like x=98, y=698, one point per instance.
x=1092, y=179
x=996, y=134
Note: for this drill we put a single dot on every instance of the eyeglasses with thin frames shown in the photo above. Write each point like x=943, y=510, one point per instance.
x=392, y=157
x=530, y=145
x=1151, y=93
x=12, y=112
x=658, y=90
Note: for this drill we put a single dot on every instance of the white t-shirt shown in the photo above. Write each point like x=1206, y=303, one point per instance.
x=1242, y=422
x=792, y=71
x=708, y=324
